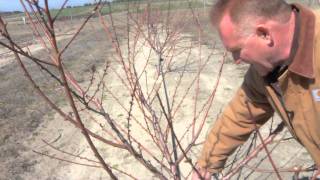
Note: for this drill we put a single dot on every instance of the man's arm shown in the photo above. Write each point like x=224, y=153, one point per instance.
x=235, y=125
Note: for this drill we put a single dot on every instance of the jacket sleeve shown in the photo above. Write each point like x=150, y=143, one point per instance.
x=235, y=124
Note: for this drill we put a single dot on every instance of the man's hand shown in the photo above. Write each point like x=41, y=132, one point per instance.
x=317, y=174
x=205, y=175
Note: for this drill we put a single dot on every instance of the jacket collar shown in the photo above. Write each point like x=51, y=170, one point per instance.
x=302, y=62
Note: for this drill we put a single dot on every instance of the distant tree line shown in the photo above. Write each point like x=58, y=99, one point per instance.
x=114, y=1
x=85, y=4
x=9, y=13
x=139, y=0
x=126, y=0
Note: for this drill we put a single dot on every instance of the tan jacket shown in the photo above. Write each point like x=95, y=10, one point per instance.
x=300, y=86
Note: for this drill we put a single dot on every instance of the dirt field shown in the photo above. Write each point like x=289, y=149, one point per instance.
x=26, y=120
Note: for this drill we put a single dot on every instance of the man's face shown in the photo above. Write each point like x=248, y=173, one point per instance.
x=253, y=48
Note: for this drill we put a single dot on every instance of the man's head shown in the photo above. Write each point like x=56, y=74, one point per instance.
x=257, y=32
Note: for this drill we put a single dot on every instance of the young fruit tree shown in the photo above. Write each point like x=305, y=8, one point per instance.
x=148, y=99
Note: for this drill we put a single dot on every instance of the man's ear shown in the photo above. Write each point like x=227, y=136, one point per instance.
x=265, y=34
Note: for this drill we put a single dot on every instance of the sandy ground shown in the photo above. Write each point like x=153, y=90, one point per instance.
x=26, y=121
x=33, y=46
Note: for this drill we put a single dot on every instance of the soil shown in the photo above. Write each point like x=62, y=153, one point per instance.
x=27, y=122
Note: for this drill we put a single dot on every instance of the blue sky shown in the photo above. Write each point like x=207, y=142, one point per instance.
x=14, y=5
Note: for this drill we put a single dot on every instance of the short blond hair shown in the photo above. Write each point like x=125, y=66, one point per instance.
x=239, y=10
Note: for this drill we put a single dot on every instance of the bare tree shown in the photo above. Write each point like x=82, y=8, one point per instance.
x=152, y=85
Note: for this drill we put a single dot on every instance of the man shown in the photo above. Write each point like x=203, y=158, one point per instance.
x=281, y=43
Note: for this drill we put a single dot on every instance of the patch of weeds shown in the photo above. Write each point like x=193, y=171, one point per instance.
x=229, y=60
x=104, y=97
x=127, y=125
x=116, y=166
x=127, y=155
